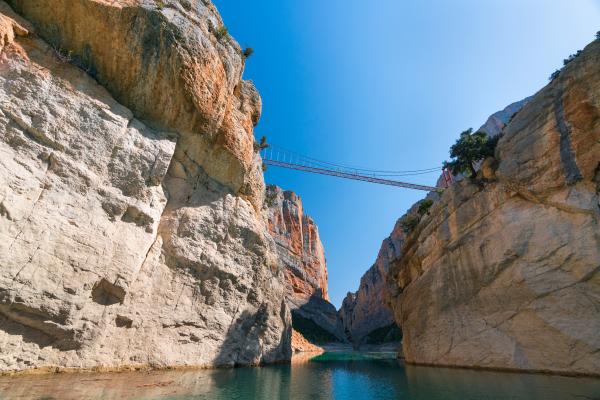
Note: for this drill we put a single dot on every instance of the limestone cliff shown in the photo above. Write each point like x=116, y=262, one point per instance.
x=302, y=257
x=298, y=245
x=365, y=311
x=505, y=272
x=131, y=191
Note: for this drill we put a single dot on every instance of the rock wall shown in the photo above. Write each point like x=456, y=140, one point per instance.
x=506, y=273
x=302, y=257
x=298, y=245
x=130, y=192
x=365, y=310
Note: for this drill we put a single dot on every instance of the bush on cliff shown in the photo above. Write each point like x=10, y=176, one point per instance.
x=468, y=150
x=424, y=206
x=248, y=51
x=221, y=33
x=598, y=35
x=409, y=222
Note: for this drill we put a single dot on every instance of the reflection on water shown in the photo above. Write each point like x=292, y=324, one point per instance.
x=327, y=376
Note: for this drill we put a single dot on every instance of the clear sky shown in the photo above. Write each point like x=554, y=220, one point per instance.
x=390, y=84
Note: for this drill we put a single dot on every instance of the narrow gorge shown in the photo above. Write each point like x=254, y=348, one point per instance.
x=138, y=232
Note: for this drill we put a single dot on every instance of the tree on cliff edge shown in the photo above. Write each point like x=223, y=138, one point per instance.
x=468, y=150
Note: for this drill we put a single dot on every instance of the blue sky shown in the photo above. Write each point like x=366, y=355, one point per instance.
x=390, y=84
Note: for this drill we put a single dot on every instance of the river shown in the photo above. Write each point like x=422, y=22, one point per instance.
x=354, y=376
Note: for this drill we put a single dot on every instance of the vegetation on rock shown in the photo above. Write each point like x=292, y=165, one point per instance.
x=424, y=206
x=468, y=150
x=409, y=222
x=221, y=33
x=248, y=51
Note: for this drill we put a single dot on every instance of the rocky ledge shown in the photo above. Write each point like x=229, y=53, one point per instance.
x=131, y=195
x=504, y=272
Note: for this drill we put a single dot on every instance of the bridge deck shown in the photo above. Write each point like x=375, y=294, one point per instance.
x=348, y=175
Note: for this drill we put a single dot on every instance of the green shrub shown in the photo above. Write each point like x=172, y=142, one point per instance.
x=258, y=146
x=598, y=35
x=424, y=206
x=469, y=149
x=160, y=4
x=221, y=33
x=554, y=75
x=248, y=51
x=572, y=57
x=409, y=222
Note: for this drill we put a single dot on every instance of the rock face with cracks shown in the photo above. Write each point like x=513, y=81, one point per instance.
x=131, y=192
x=506, y=274
x=302, y=257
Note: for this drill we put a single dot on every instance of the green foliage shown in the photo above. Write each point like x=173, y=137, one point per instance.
x=468, y=149
x=221, y=33
x=263, y=143
x=311, y=331
x=248, y=51
x=572, y=57
x=385, y=334
x=409, y=222
x=424, y=206
x=598, y=35
x=160, y=4
x=554, y=75
x=258, y=146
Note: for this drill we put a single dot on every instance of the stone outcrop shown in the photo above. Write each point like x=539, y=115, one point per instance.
x=506, y=273
x=302, y=257
x=366, y=311
x=301, y=345
x=131, y=193
x=298, y=244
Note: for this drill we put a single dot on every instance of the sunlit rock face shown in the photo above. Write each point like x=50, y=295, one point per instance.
x=506, y=274
x=298, y=243
x=131, y=192
x=302, y=257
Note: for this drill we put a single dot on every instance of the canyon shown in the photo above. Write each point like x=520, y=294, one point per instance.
x=138, y=232
x=503, y=271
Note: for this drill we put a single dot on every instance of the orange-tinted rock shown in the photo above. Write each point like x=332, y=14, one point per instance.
x=301, y=345
x=298, y=245
x=302, y=258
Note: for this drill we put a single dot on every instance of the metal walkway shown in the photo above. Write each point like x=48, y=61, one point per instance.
x=279, y=157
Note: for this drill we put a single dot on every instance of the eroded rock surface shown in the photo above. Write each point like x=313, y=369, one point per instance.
x=128, y=203
x=507, y=274
x=302, y=256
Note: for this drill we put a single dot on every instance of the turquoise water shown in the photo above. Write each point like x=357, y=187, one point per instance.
x=330, y=376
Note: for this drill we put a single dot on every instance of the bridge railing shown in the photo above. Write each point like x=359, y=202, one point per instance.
x=278, y=157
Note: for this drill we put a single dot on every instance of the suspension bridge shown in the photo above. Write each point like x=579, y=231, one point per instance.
x=280, y=157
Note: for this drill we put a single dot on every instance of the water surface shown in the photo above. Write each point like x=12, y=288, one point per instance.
x=353, y=376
